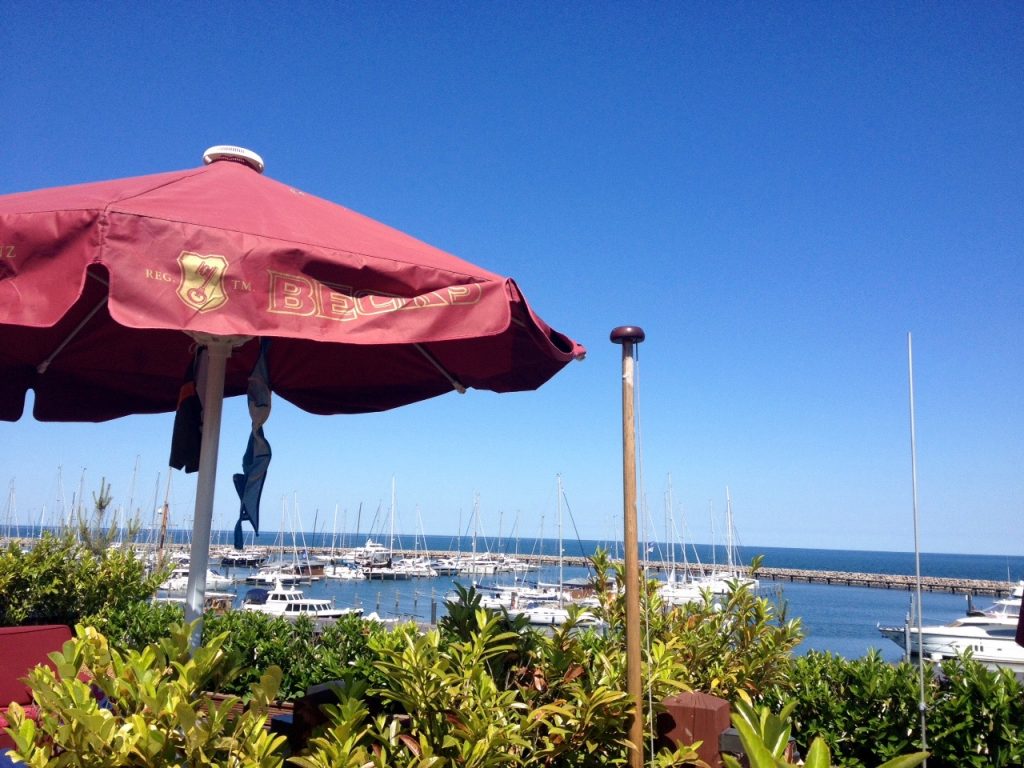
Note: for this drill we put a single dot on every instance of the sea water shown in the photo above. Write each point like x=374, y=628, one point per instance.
x=840, y=619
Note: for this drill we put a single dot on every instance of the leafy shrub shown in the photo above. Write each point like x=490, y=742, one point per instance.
x=471, y=696
x=62, y=581
x=138, y=624
x=151, y=710
x=867, y=710
x=257, y=641
x=976, y=716
x=765, y=737
x=741, y=644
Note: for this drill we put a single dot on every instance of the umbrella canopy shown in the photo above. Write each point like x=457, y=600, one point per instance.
x=99, y=281
x=107, y=288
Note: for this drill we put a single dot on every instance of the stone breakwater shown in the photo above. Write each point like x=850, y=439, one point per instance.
x=837, y=578
x=889, y=581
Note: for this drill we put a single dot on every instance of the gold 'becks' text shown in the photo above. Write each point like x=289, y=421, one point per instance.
x=298, y=295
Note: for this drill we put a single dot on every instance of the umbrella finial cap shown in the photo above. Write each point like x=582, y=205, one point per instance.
x=235, y=154
x=627, y=333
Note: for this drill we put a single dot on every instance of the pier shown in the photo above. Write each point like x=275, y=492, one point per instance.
x=974, y=587
x=889, y=581
x=903, y=582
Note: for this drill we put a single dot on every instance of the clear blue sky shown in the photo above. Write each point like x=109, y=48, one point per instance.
x=777, y=193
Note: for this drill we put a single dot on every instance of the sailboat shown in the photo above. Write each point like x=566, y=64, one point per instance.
x=384, y=569
x=477, y=564
x=677, y=589
x=339, y=569
x=298, y=571
x=722, y=582
x=553, y=612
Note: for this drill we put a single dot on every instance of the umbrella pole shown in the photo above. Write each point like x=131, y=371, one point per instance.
x=218, y=351
x=628, y=336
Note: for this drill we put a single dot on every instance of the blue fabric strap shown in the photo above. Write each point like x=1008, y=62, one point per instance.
x=256, y=460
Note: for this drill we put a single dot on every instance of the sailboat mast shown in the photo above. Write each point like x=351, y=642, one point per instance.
x=714, y=541
x=11, y=506
x=77, y=508
x=391, y=542
x=476, y=522
x=151, y=531
x=729, y=544
x=131, y=500
x=62, y=504
x=917, y=550
x=334, y=531
x=164, y=513
x=560, y=547
x=670, y=541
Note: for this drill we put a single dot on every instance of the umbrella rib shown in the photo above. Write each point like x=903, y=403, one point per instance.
x=41, y=368
x=457, y=385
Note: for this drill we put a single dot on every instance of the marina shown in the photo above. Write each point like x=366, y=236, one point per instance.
x=841, y=597
x=904, y=582
x=243, y=561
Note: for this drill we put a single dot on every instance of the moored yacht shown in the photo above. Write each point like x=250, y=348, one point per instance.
x=289, y=602
x=989, y=634
x=177, y=581
x=344, y=572
x=554, y=615
x=251, y=557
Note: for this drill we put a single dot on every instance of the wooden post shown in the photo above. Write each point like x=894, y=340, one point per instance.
x=628, y=336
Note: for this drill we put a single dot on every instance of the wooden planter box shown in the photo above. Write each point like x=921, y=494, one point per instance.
x=280, y=710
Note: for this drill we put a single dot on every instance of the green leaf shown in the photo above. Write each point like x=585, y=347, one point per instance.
x=905, y=761
x=818, y=755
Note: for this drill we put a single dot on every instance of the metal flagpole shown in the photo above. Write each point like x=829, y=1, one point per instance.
x=917, y=553
x=628, y=336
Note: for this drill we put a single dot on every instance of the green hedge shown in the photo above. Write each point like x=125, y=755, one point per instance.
x=868, y=710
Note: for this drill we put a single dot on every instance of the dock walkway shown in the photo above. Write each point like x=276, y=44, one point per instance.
x=837, y=578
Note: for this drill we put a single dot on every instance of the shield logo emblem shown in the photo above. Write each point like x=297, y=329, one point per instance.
x=202, y=280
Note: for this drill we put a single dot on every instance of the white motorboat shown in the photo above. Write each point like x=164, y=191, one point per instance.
x=675, y=592
x=387, y=572
x=298, y=572
x=445, y=566
x=289, y=602
x=419, y=567
x=253, y=557
x=722, y=585
x=989, y=634
x=516, y=595
x=177, y=581
x=478, y=565
x=344, y=573
x=370, y=552
x=554, y=615
x=513, y=564
x=1004, y=607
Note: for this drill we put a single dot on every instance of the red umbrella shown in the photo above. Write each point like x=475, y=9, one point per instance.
x=106, y=289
